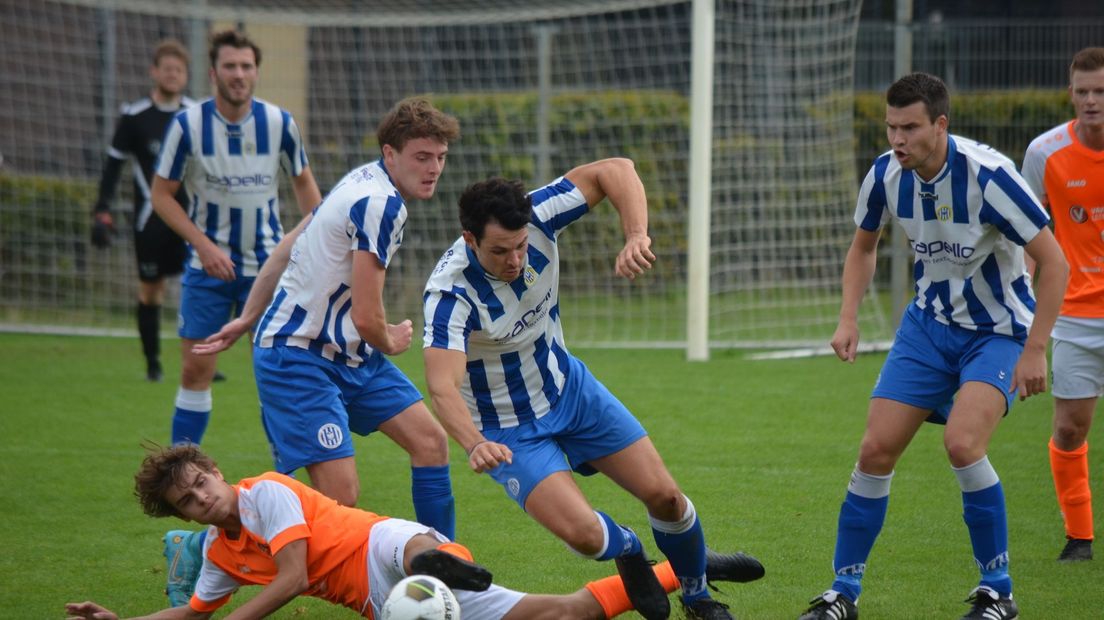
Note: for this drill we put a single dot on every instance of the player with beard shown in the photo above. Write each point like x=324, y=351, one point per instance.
x=226, y=153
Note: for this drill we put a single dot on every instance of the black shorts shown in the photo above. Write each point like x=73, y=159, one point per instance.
x=159, y=250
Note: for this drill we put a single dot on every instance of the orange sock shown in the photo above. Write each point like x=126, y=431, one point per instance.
x=456, y=549
x=1071, y=482
x=611, y=594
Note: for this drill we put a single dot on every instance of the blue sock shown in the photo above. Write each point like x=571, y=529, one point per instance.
x=620, y=540
x=193, y=411
x=860, y=521
x=683, y=542
x=985, y=516
x=431, y=489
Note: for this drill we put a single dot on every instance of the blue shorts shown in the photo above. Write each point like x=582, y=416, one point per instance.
x=207, y=303
x=309, y=404
x=929, y=361
x=586, y=423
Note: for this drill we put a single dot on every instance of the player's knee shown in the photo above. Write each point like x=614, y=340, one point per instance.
x=1069, y=433
x=584, y=539
x=963, y=450
x=876, y=458
x=345, y=493
x=430, y=448
x=665, y=503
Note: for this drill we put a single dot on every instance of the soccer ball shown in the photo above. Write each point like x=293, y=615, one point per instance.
x=420, y=597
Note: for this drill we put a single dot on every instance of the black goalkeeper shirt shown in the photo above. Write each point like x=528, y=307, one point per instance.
x=138, y=138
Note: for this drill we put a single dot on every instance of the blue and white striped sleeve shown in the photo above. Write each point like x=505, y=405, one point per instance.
x=291, y=145
x=175, y=148
x=556, y=205
x=871, y=208
x=449, y=318
x=378, y=221
x=1010, y=205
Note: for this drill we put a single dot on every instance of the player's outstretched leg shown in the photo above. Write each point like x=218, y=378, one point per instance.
x=456, y=572
x=184, y=554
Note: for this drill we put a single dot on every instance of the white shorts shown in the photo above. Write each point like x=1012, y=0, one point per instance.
x=386, y=545
x=1077, y=372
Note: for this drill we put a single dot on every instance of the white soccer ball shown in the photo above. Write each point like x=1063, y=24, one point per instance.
x=420, y=597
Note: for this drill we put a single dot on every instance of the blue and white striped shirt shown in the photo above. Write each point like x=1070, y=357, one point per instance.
x=967, y=228
x=311, y=308
x=510, y=331
x=229, y=172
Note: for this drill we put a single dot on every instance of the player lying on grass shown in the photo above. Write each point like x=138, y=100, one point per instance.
x=273, y=531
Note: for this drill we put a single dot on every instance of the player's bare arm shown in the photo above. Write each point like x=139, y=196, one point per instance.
x=291, y=581
x=163, y=197
x=858, y=271
x=89, y=610
x=368, y=313
x=616, y=179
x=307, y=195
x=260, y=295
x=445, y=370
x=1030, y=374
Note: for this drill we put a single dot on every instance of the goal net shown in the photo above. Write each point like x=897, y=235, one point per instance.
x=537, y=87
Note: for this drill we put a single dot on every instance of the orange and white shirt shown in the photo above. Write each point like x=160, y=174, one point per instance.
x=1068, y=178
x=276, y=510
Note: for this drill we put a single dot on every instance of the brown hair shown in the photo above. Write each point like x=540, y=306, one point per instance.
x=922, y=87
x=162, y=468
x=170, y=47
x=233, y=38
x=1088, y=59
x=413, y=118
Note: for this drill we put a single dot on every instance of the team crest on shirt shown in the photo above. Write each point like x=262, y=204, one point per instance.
x=530, y=275
x=943, y=213
x=249, y=148
x=1078, y=214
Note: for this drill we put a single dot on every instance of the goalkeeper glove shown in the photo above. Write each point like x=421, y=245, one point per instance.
x=103, y=229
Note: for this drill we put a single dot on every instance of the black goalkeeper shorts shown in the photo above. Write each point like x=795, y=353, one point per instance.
x=160, y=251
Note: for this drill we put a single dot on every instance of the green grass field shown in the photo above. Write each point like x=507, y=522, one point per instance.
x=763, y=448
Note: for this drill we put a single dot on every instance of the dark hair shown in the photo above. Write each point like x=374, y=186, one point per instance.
x=170, y=47
x=162, y=468
x=235, y=39
x=413, y=118
x=923, y=87
x=1088, y=59
x=497, y=199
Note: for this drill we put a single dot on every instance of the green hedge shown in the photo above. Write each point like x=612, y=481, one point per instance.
x=44, y=221
x=43, y=239
x=649, y=127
